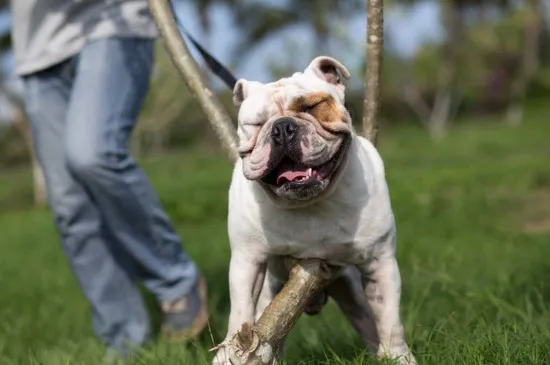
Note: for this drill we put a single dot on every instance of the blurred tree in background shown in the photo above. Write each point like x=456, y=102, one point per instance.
x=20, y=129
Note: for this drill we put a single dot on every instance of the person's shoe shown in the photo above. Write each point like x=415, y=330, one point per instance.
x=185, y=318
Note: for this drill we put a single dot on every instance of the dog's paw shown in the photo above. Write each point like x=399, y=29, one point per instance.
x=400, y=359
x=224, y=355
x=406, y=360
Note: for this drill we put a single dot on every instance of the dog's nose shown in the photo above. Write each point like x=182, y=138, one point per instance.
x=284, y=130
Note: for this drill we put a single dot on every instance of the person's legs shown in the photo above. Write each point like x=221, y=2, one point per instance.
x=117, y=309
x=112, y=79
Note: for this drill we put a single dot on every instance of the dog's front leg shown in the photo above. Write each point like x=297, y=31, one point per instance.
x=382, y=285
x=246, y=277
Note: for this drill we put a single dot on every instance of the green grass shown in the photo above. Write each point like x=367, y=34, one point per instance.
x=473, y=216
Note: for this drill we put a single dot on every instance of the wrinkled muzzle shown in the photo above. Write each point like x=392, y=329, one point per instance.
x=295, y=158
x=294, y=133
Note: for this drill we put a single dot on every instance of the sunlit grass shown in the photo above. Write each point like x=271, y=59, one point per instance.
x=475, y=274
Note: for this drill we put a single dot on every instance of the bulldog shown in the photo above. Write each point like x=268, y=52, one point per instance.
x=307, y=186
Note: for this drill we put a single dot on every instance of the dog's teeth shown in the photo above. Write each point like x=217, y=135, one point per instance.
x=309, y=172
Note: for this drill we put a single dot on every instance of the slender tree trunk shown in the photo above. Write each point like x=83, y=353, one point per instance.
x=22, y=125
x=436, y=118
x=443, y=102
x=411, y=96
x=373, y=72
x=529, y=63
x=39, y=183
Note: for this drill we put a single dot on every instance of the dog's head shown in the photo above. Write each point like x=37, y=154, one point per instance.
x=294, y=133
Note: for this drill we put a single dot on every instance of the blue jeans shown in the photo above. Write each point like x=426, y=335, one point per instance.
x=112, y=226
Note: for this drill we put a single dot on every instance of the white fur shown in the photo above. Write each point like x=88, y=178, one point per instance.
x=352, y=227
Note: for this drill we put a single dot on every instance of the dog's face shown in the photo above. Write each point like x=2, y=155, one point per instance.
x=294, y=133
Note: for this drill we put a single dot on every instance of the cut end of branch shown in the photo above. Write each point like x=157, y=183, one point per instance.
x=246, y=340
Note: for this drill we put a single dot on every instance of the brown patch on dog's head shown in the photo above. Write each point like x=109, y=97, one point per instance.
x=320, y=105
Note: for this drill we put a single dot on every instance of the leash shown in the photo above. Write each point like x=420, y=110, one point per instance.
x=213, y=64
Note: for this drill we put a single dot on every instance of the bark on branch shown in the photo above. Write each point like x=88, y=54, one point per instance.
x=259, y=344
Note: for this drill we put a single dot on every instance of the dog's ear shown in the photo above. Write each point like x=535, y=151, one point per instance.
x=330, y=70
x=240, y=92
x=243, y=89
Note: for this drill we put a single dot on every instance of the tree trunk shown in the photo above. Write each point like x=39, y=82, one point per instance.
x=20, y=122
x=443, y=102
x=373, y=72
x=39, y=182
x=529, y=63
x=436, y=118
x=411, y=96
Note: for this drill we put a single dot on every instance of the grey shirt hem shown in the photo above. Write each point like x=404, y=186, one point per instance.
x=47, y=32
x=34, y=65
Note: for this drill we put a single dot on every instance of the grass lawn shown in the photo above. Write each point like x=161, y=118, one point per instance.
x=473, y=218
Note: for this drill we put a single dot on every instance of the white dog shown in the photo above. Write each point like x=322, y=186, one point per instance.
x=307, y=186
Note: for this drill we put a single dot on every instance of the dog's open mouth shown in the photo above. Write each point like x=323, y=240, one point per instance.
x=295, y=174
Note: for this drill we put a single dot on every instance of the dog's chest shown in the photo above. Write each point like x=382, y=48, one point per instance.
x=335, y=235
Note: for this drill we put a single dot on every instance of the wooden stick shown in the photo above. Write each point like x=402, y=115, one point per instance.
x=373, y=72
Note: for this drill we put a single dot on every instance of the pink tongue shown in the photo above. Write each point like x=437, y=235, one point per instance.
x=291, y=171
x=290, y=176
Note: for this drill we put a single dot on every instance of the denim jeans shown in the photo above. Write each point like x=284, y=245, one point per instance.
x=113, y=229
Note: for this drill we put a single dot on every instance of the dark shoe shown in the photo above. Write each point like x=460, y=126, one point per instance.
x=185, y=318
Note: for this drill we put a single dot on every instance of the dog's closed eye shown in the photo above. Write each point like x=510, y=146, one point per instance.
x=311, y=107
x=254, y=123
x=307, y=104
x=320, y=105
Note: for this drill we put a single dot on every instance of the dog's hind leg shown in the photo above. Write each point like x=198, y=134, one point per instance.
x=382, y=288
x=347, y=291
